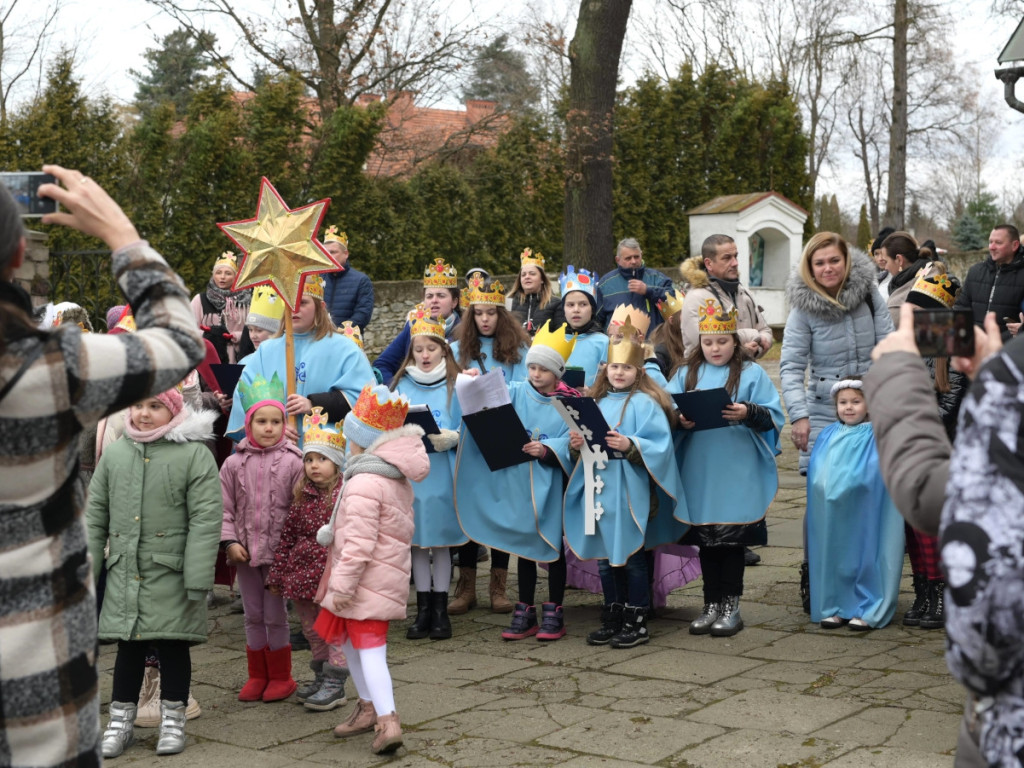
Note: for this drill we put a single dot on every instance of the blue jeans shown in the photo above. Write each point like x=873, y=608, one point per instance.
x=626, y=584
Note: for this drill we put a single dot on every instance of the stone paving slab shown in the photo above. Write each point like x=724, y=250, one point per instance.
x=767, y=710
x=756, y=749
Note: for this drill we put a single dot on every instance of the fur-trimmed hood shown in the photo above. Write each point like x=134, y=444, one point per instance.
x=693, y=272
x=196, y=428
x=859, y=283
x=398, y=447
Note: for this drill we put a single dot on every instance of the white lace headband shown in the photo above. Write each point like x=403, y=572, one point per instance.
x=839, y=386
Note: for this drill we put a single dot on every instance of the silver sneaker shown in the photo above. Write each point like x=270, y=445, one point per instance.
x=702, y=624
x=172, y=728
x=120, y=732
x=729, y=621
x=332, y=690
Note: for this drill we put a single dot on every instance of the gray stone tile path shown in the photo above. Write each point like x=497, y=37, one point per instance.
x=782, y=693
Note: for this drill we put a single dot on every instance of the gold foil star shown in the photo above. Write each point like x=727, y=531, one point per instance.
x=280, y=245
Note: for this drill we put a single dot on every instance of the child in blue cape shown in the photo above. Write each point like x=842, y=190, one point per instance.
x=579, y=310
x=642, y=486
x=854, y=531
x=488, y=337
x=427, y=377
x=723, y=506
x=518, y=509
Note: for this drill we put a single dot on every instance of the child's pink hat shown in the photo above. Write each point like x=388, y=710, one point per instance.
x=172, y=399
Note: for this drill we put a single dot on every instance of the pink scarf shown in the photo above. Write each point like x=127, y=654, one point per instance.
x=142, y=436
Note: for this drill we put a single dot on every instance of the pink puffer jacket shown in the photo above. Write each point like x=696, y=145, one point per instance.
x=369, y=560
x=258, y=485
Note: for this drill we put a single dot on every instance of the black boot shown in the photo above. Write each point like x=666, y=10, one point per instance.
x=611, y=625
x=805, y=587
x=440, y=626
x=912, y=618
x=634, y=628
x=935, y=616
x=421, y=626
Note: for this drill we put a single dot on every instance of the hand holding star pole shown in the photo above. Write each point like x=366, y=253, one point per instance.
x=280, y=248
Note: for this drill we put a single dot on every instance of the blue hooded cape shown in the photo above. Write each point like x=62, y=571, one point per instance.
x=517, y=509
x=332, y=363
x=729, y=474
x=624, y=526
x=854, y=531
x=590, y=351
x=434, y=504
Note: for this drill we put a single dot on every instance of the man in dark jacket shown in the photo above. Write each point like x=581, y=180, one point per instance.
x=348, y=294
x=997, y=283
x=632, y=283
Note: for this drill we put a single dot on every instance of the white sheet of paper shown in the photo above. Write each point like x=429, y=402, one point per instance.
x=476, y=393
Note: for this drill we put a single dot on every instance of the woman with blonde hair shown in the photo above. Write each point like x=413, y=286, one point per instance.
x=836, y=317
x=531, y=299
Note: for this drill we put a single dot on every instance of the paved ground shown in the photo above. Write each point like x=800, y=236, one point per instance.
x=782, y=693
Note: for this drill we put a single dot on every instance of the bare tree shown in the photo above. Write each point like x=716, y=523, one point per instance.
x=25, y=31
x=339, y=50
x=594, y=55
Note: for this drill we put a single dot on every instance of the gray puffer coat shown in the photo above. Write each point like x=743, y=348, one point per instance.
x=835, y=343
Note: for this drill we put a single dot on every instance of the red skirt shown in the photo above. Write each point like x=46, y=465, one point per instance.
x=364, y=633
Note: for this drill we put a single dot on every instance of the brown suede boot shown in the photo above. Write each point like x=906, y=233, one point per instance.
x=362, y=720
x=499, y=601
x=465, y=592
x=389, y=734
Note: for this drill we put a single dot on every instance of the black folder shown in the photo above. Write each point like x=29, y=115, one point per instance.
x=704, y=406
x=590, y=416
x=227, y=375
x=425, y=420
x=500, y=436
x=575, y=377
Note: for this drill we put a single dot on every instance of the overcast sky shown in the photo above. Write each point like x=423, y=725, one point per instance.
x=111, y=36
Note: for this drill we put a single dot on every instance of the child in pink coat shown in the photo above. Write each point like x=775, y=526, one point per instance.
x=366, y=583
x=256, y=483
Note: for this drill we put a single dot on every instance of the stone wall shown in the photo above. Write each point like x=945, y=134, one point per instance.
x=34, y=273
x=392, y=300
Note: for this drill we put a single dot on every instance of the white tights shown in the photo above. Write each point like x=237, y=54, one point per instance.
x=369, y=670
x=436, y=578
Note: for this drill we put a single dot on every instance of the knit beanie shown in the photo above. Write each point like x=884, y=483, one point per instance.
x=172, y=399
x=378, y=410
x=546, y=357
x=113, y=315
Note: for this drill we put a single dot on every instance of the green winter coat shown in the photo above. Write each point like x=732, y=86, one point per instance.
x=159, y=505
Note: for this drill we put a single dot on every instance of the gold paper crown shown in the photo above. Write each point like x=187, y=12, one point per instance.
x=422, y=324
x=640, y=320
x=317, y=430
x=381, y=415
x=227, y=259
x=440, y=274
x=528, y=257
x=712, y=320
x=477, y=293
x=939, y=288
x=627, y=349
x=351, y=332
x=314, y=286
x=671, y=304
x=333, y=236
x=555, y=339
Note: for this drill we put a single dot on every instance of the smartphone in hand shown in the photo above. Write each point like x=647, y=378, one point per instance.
x=944, y=332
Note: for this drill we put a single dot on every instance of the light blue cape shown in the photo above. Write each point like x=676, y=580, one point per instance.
x=517, y=509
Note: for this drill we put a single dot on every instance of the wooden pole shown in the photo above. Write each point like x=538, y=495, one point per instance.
x=289, y=361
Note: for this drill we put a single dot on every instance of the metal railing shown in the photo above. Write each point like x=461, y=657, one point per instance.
x=85, y=278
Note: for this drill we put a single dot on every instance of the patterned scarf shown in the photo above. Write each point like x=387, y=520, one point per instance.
x=217, y=296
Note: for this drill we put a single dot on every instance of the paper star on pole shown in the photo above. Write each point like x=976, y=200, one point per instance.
x=280, y=245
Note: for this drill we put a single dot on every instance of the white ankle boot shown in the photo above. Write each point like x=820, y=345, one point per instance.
x=172, y=728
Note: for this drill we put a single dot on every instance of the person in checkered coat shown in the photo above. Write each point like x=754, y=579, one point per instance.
x=53, y=385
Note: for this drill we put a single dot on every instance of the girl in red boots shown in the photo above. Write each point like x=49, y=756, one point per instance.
x=256, y=482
